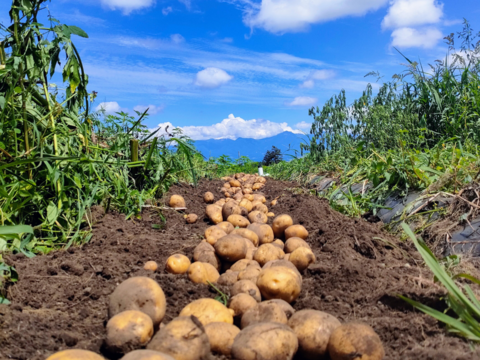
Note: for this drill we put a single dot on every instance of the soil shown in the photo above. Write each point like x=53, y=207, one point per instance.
x=60, y=300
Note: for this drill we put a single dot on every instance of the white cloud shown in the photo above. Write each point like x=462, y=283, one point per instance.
x=167, y=10
x=303, y=125
x=152, y=109
x=127, y=6
x=187, y=3
x=109, y=107
x=177, y=38
x=281, y=16
x=227, y=40
x=317, y=75
x=302, y=101
x=212, y=78
x=234, y=128
x=409, y=37
x=408, y=13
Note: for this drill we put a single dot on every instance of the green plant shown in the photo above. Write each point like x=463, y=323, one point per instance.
x=460, y=299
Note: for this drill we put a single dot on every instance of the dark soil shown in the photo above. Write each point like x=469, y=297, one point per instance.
x=60, y=300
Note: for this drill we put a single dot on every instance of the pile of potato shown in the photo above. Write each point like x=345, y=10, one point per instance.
x=261, y=265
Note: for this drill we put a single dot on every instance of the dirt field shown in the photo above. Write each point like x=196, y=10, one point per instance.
x=61, y=299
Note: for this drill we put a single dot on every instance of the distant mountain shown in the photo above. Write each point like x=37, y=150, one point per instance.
x=254, y=149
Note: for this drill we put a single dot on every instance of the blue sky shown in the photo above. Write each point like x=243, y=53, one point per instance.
x=248, y=68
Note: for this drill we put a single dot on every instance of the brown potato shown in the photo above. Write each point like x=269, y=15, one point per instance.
x=260, y=179
x=259, y=197
x=273, y=202
x=227, y=185
x=247, y=287
x=296, y=231
x=263, y=231
x=191, y=218
x=249, y=197
x=243, y=264
x=239, y=196
x=257, y=217
x=209, y=257
x=200, y=248
x=75, y=354
x=230, y=208
x=177, y=201
x=213, y=233
x=270, y=214
x=184, y=338
x=226, y=194
x=128, y=330
x=247, y=191
x=208, y=311
x=280, y=223
x=260, y=207
x=177, y=264
x=208, y=197
x=286, y=257
x=251, y=249
x=355, y=338
x=265, y=341
x=250, y=273
x=279, y=243
x=263, y=312
x=214, y=213
x=247, y=204
x=202, y=273
x=257, y=186
x=247, y=234
x=279, y=283
x=146, y=355
x=238, y=220
x=282, y=262
x=302, y=258
x=235, y=183
x=151, y=265
x=220, y=202
x=313, y=329
x=226, y=226
x=286, y=307
x=294, y=243
x=268, y=252
x=241, y=303
x=221, y=336
x=231, y=248
x=139, y=293
x=228, y=278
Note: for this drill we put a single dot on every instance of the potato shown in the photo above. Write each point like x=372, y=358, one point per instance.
x=247, y=204
x=177, y=201
x=263, y=231
x=208, y=197
x=284, y=263
x=279, y=283
x=270, y=214
x=268, y=252
x=243, y=264
x=273, y=202
x=279, y=243
x=226, y=194
x=294, y=243
x=257, y=186
x=280, y=223
x=249, y=197
x=247, y=191
x=128, y=330
x=75, y=354
x=191, y=218
x=250, y=273
x=265, y=341
x=239, y=196
x=202, y=273
x=260, y=207
x=286, y=307
x=263, y=312
x=227, y=185
x=213, y=233
x=247, y=234
x=259, y=197
x=302, y=258
x=146, y=355
x=221, y=336
x=184, y=338
x=257, y=217
x=355, y=338
x=226, y=226
x=220, y=202
x=313, y=329
x=151, y=265
x=247, y=287
x=296, y=231
x=177, y=264
x=208, y=311
x=209, y=257
x=251, y=249
x=260, y=179
x=228, y=278
x=231, y=248
x=200, y=248
x=139, y=293
x=235, y=183
x=238, y=220
x=214, y=213
x=238, y=190
x=241, y=303
x=286, y=257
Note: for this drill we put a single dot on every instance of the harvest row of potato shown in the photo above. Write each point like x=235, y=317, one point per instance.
x=262, y=267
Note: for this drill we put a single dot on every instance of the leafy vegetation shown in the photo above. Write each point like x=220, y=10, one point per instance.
x=273, y=156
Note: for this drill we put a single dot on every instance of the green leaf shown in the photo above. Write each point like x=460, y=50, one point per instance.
x=2, y=102
x=77, y=31
x=16, y=230
x=17, y=89
x=52, y=213
x=4, y=301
